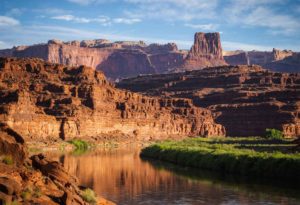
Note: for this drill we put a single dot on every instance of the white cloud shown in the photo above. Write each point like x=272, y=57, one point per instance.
x=8, y=21
x=171, y=10
x=88, y=2
x=82, y=2
x=205, y=27
x=265, y=17
x=260, y=13
x=103, y=20
x=126, y=21
x=51, y=11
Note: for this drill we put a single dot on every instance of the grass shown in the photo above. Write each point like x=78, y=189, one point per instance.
x=29, y=192
x=81, y=146
x=244, y=156
x=274, y=134
x=14, y=202
x=89, y=196
x=7, y=159
x=26, y=194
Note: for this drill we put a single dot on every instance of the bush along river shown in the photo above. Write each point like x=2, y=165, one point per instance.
x=122, y=176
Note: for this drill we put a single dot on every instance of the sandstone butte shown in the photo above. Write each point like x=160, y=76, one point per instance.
x=35, y=180
x=126, y=58
x=244, y=99
x=44, y=101
x=205, y=52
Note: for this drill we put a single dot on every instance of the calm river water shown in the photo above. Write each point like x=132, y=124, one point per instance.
x=120, y=175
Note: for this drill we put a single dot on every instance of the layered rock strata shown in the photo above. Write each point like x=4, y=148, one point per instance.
x=205, y=52
x=117, y=60
x=244, y=99
x=44, y=101
x=35, y=180
x=123, y=59
x=276, y=60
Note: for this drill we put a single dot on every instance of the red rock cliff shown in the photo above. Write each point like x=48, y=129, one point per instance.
x=244, y=99
x=117, y=60
x=49, y=101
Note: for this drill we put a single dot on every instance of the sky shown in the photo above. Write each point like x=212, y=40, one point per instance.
x=243, y=24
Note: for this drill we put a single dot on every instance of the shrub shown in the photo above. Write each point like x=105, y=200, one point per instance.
x=89, y=196
x=37, y=192
x=79, y=144
x=26, y=194
x=8, y=160
x=273, y=134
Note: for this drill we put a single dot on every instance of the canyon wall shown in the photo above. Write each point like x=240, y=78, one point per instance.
x=124, y=59
x=117, y=60
x=45, y=101
x=244, y=99
x=276, y=60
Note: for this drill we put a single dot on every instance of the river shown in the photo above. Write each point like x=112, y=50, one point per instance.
x=120, y=175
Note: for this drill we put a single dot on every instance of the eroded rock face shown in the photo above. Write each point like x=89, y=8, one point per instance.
x=116, y=59
x=276, y=60
x=45, y=101
x=205, y=52
x=244, y=99
x=123, y=59
x=36, y=180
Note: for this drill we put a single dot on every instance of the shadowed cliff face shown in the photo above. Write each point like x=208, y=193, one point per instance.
x=244, y=99
x=49, y=101
x=276, y=60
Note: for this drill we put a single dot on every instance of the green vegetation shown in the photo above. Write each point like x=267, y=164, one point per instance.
x=37, y=192
x=89, y=196
x=81, y=146
x=14, y=202
x=8, y=160
x=273, y=134
x=26, y=194
x=245, y=156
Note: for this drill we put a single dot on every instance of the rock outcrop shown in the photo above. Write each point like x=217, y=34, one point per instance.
x=116, y=59
x=244, y=99
x=277, y=60
x=122, y=59
x=205, y=52
x=35, y=180
x=44, y=101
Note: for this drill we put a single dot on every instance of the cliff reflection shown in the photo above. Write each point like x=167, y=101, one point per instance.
x=121, y=176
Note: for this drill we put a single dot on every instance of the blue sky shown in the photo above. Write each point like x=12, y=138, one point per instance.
x=243, y=24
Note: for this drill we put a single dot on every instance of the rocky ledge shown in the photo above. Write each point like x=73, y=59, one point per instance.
x=44, y=101
x=36, y=180
x=244, y=99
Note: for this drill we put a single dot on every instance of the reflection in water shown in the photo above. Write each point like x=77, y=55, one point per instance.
x=121, y=176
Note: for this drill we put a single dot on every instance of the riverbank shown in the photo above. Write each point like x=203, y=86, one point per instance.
x=36, y=179
x=266, y=158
